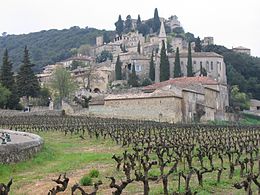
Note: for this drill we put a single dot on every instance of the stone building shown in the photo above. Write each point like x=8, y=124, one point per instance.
x=80, y=58
x=176, y=100
x=255, y=105
x=207, y=41
x=96, y=77
x=241, y=49
x=173, y=22
x=212, y=62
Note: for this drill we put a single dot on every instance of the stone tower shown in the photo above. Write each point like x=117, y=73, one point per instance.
x=162, y=36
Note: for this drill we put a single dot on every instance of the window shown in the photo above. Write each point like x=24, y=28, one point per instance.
x=258, y=107
x=211, y=65
x=181, y=62
x=138, y=68
x=207, y=65
x=194, y=62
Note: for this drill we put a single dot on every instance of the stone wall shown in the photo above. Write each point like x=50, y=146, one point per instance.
x=35, y=112
x=16, y=152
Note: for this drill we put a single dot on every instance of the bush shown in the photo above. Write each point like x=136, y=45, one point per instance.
x=94, y=173
x=86, y=181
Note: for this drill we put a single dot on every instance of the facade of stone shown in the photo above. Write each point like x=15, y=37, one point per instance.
x=175, y=100
x=241, y=49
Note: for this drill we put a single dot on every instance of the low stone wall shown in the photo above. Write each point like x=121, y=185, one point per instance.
x=37, y=112
x=20, y=151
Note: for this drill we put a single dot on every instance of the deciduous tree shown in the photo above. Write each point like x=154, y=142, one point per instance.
x=62, y=83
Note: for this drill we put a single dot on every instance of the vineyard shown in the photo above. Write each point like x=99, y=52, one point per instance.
x=154, y=158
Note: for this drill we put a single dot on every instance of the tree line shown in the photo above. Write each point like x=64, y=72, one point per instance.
x=23, y=84
x=50, y=46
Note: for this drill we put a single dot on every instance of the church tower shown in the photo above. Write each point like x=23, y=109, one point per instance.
x=162, y=36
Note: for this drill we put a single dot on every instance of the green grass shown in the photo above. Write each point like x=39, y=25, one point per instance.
x=60, y=154
x=70, y=153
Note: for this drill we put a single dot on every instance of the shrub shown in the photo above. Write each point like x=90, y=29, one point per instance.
x=86, y=181
x=94, y=173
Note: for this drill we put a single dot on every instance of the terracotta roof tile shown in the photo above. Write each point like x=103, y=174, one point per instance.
x=182, y=82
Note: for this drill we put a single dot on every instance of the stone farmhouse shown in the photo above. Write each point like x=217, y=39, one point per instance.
x=183, y=99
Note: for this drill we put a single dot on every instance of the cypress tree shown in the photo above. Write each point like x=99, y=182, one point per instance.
x=133, y=80
x=138, y=22
x=198, y=46
x=27, y=82
x=139, y=47
x=119, y=25
x=118, y=69
x=189, y=65
x=164, y=64
x=6, y=74
x=156, y=21
x=177, y=65
x=128, y=24
x=8, y=81
x=152, y=68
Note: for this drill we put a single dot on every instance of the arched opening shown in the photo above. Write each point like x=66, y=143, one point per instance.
x=96, y=90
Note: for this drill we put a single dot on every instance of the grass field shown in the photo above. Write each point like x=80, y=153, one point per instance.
x=77, y=157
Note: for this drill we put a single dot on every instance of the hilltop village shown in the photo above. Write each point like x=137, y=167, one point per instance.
x=183, y=98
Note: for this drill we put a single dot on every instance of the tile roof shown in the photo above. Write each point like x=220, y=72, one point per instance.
x=155, y=94
x=183, y=82
x=198, y=54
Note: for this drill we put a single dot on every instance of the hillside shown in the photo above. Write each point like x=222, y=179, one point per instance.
x=242, y=70
x=48, y=46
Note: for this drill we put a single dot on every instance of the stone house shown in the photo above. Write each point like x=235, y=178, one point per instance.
x=255, y=105
x=241, y=49
x=175, y=100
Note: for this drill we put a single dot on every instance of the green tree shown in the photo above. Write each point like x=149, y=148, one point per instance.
x=177, y=65
x=138, y=22
x=104, y=56
x=119, y=25
x=27, y=82
x=44, y=97
x=128, y=24
x=8, y=81
x=152, y=68
x=118, y=69
x=139, y=47
x=189, y=65
x=62, y=84
x=6, y=74
x=156, y=21
x=133, y=79
x=164, y=64
x=4, y=95
x=75, y=64
x=238, y=100
x=198, y=46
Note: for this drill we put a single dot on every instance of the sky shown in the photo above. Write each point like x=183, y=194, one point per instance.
x=232, y=23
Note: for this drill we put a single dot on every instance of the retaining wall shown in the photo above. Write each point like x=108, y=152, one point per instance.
x=16, y=152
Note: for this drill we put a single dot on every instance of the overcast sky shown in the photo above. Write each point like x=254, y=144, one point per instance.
x=230, y=22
